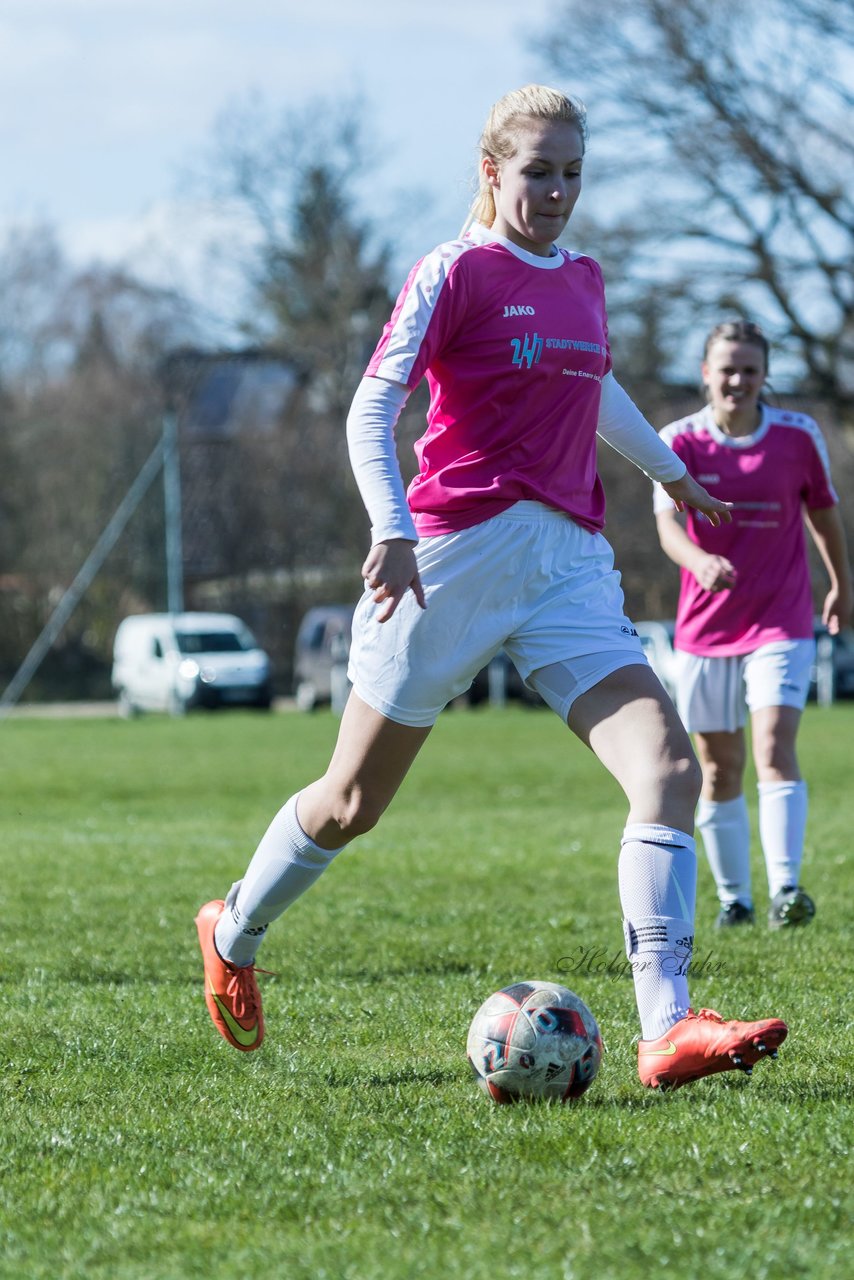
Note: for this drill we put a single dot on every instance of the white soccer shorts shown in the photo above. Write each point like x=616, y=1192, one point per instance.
x=714, y=695
x=529, y=580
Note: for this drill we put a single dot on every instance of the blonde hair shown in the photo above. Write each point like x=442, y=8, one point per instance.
x=500, y=138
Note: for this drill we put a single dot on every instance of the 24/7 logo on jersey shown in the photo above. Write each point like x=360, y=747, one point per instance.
x=527, y=350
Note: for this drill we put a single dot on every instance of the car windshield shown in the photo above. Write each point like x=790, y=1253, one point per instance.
x=211, y=642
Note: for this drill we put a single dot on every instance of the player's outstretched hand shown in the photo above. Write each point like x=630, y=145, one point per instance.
x=688, y=493
x=390, y=571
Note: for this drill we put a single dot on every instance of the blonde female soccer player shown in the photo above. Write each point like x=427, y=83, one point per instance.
x=498, y=543
x=744, y=626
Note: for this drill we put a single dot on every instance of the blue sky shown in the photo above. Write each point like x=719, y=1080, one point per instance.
x=106, y=104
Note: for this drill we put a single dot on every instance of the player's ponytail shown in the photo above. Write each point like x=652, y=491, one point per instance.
x=499, y=139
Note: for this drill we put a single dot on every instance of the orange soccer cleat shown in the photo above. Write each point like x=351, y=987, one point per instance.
x=231, y=993
x=701, y=1044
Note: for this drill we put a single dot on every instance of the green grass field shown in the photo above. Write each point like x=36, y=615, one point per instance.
x=354, y=1145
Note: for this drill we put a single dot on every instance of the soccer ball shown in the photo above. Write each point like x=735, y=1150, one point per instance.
x=534, y=1040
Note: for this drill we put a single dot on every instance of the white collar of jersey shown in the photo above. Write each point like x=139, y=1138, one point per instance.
x=484, y=235
x=736, y=442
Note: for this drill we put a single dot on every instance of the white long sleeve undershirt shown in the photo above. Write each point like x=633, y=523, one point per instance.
x=378, y=404
x=373, y=416
x=622, y=425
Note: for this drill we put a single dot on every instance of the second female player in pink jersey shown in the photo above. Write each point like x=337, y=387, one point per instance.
x=744, y=626
x=498, y=544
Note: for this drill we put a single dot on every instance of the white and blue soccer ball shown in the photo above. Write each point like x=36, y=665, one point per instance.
x=534, y=1040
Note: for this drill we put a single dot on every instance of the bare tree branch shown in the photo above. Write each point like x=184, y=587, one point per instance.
x=735, y=118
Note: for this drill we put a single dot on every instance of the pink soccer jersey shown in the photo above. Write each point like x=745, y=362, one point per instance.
x=514, y=348
x=770, y=477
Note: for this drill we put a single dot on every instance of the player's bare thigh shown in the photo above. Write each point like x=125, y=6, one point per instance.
x=371, y=759
x=632, y=726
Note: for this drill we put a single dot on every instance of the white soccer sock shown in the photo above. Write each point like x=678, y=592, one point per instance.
x=284, y=865
x=725, y=828
x=658, y=887
x=782, y=826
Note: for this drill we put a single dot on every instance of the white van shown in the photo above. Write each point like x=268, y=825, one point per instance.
x=657, y=641
x=174, y=661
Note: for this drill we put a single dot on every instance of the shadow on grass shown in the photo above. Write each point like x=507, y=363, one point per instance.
x=786, y=1092
x=83, y=974
x=86, y=972
x=799, y=1092
x=418, y=969
x=391, y=1079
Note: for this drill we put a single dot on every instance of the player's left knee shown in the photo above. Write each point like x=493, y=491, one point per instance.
x=357, y=812
x=669, y=783
x=685, y=778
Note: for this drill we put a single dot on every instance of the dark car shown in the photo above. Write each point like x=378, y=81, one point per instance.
x=500, y=682
x=320, y=660
x=832, y=674
x=320, y=666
